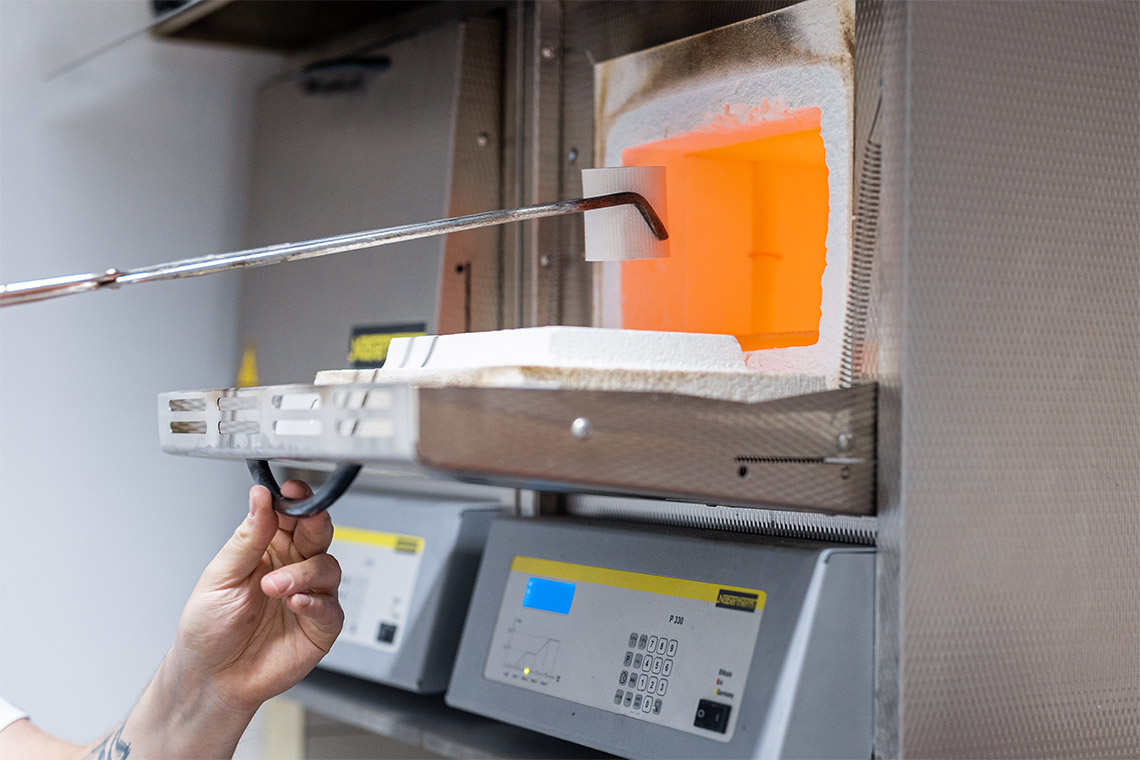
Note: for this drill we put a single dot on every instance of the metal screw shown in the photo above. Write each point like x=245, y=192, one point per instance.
x=547, y=52
x=544, y=260
x=483, y=140
x=845, y=472
x=845, y=441
x=572, y=155
x=581, y=428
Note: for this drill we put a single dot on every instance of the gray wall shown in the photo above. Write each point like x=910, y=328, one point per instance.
x=132, y=158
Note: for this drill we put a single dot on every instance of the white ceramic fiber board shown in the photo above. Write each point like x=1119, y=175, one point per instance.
x=560, y=346
x=581, y=358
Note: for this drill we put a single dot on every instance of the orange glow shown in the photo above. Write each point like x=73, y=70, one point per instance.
x=747, y=215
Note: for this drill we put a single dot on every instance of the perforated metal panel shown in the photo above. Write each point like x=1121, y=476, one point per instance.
x=1018, y=218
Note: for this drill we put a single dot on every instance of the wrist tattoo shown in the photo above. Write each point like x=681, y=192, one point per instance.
x=112, y=748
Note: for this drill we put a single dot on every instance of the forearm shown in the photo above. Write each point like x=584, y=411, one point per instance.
x=178, y=716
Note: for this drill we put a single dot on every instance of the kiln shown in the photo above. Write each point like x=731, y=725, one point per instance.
x=905, y=215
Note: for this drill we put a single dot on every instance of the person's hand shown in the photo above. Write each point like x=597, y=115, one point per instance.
x=265, y=610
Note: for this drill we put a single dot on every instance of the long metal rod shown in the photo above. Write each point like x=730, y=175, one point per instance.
x=40, y=290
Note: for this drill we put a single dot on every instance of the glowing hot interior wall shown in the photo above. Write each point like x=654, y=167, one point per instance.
x=747, y=217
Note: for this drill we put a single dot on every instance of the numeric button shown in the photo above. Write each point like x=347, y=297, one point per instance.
x=662, y=687
x=671, y=647
x=642, y=682
x=657, y=663
x=667, y=668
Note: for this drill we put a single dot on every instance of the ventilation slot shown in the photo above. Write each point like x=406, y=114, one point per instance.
x=191, y=427
x=233, y=403
x=187, y=405
x=239, y=427
x=866, y=239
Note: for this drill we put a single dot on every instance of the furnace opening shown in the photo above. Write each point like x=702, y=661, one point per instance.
x=747, y=214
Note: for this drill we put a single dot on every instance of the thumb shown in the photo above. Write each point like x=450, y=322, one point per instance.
x=242, y=553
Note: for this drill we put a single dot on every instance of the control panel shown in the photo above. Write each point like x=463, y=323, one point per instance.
x=407, y=566
x=670, y=651
x=378, y=578
x=646, y=641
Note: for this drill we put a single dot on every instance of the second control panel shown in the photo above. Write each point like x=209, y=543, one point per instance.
x=681, y=658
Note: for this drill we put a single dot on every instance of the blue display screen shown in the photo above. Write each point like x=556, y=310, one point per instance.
x=552, y=596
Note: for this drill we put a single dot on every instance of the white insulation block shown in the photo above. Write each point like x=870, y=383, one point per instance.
x=568, y=347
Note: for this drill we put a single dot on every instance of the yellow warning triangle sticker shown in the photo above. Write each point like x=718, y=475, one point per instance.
x=247, y=372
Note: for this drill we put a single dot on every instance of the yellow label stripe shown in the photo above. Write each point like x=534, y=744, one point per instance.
x=394, y=541
x=654, y=584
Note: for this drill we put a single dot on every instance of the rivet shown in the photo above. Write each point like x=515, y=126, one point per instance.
x=845, y=441
x=581, y=428
x=483, y=140
x=544, y=260
x=547, y=52
x=572, y=155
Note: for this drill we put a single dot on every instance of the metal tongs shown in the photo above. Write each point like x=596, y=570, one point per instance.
x=40, y=290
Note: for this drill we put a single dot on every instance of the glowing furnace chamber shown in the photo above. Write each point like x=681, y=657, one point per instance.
x=753, y=123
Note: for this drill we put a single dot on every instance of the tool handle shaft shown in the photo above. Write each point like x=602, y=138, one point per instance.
x=39, y=290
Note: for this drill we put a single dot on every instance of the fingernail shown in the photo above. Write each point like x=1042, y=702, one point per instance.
x=251, y=510
x=280, y=583
x=303, y=599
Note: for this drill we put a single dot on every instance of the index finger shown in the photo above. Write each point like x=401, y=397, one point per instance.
x=312, y=535
x=296, y=490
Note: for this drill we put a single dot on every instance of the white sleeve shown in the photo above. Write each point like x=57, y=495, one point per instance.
x=9, y=714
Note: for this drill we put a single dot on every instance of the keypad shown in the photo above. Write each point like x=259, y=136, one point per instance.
x=647, y=665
